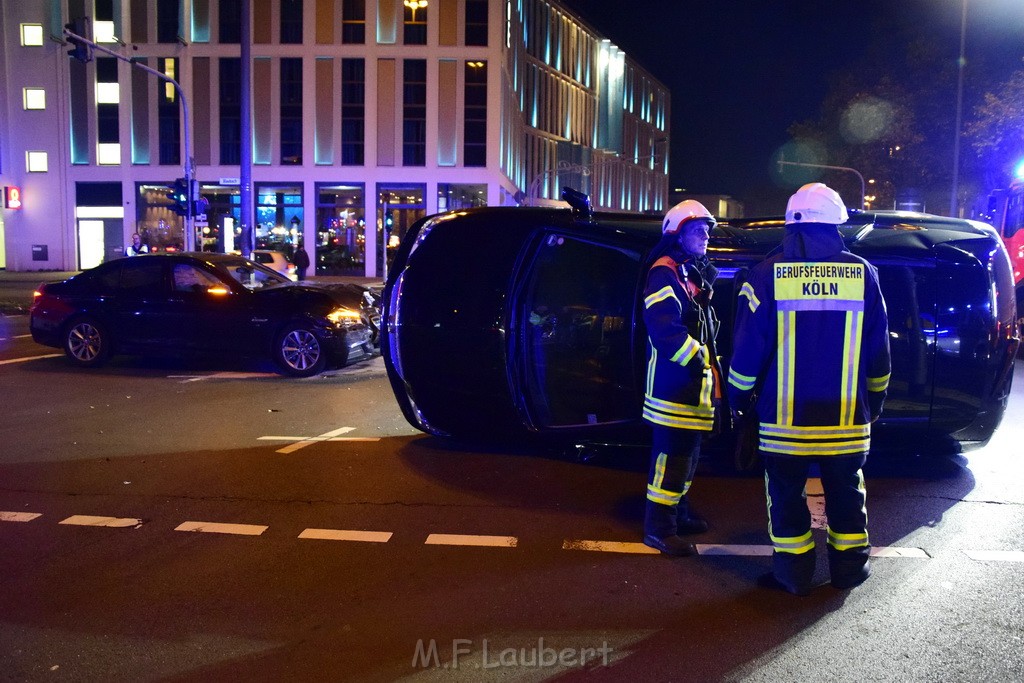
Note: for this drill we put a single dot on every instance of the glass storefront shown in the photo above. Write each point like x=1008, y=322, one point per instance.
x=341, y=229
x=451, y=196
x=278, y=217
x=398, y=207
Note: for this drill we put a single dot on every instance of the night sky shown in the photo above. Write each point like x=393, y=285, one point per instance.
x=741, y=72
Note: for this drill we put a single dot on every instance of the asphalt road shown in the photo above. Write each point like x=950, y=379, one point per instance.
x=171, y=520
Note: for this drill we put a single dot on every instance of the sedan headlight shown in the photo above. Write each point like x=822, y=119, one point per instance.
x=344, y=316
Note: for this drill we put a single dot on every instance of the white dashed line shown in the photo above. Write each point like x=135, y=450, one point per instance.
x=219, y=528
x=309, y=438
x=893, y=551
x=28, y=358
x=734, y=550
x=610, y=547
x=995, y=555
x=347, y=535
x=469, y=539
x=19, y=516
x=92, y=520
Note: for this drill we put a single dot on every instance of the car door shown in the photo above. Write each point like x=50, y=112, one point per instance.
x=576, y=356
x=218, y=313
x=143, y=315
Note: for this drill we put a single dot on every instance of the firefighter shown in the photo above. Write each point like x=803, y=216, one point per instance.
x=812, y=326
x=683, y=375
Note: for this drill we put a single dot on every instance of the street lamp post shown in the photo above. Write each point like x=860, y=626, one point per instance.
x=953, y=199
x=782, y=162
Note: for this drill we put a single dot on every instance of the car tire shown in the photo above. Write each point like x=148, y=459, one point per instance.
x=299, y=352
x=87, y=343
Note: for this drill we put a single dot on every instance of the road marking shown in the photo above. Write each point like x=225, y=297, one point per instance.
x=347, y=535
x=28, y=358
x=19, y=516
x=734, y=550
x=92, y=520
x=995, y=555
x=610, y=547
x=17, y=336
x=893, y=551
x=308, y=438
x=309, y=441
x=470, y=539
x=219, y=528
x=815, y=495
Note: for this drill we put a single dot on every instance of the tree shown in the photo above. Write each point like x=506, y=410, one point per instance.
x=996, y=130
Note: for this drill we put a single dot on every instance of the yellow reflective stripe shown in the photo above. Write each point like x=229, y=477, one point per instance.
x=833, y=448
x=851, y=358
x=813, y=431
x=659, y=470
x=786, y=361
x=792, y=544
x=879, y=383
x=847, y=541
x=650, y=369
x=741, y=381
x=661, y=295
x=663, y=496
x=705, y=410
x=707, y=383
x=695, y=423
x=748, y=291
x=687, y=351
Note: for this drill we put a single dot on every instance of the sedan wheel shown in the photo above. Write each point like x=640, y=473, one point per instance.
x=87, y=343
x=299, y=353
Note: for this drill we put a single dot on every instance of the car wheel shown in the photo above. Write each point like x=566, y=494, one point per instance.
x=298, y=351
x=87, y=343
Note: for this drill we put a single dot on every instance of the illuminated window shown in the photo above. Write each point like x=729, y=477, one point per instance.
x=108, y=93
x=34, y=98
x=108, y=153
x=103, y=32
x=31, y=34
x=36, y=162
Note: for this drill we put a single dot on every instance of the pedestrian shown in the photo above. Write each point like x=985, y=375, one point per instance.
x=683, y=375
x=301, y=261
x=812, y=323
x=136, y=247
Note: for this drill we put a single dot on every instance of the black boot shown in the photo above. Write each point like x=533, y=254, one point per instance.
x=660, y=531
x=849, y=568
x=687, y=521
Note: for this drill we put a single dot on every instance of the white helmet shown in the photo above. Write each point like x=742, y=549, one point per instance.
x=683, y=212
x=816, y=203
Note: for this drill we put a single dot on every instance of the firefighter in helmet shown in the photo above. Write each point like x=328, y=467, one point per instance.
x=683, y=376
x=812, y=323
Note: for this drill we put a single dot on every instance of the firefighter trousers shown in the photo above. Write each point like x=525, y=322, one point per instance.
x=789, y=519
x=674, y=456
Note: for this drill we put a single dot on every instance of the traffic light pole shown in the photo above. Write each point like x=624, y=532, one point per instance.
x=190, y=232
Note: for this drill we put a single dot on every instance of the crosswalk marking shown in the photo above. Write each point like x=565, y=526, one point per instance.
x=347, y=535
x=93, y=520
x=610, y=547
x=19, y=516
x=995, y=555
x=470, y=539
x=221, y=528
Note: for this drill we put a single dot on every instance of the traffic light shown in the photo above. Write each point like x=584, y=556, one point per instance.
x=80, y=50
x=389, y=221
x=179, y=197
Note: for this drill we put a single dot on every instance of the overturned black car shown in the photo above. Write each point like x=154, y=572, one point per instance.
x=524, y=324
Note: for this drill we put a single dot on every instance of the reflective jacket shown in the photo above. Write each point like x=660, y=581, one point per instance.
x=681, y=325
x=812, y=320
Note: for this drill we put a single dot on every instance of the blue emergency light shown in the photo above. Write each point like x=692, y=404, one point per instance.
x=1018, y=172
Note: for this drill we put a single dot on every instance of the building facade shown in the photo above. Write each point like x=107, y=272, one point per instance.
x=365, y=116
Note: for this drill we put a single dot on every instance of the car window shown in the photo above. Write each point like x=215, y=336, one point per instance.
x=253, y=276
x=578, y=306
x=189, y=278
x=142, y=277
x=262, y=257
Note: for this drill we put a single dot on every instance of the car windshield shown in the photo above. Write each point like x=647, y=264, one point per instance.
x=252, y=275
